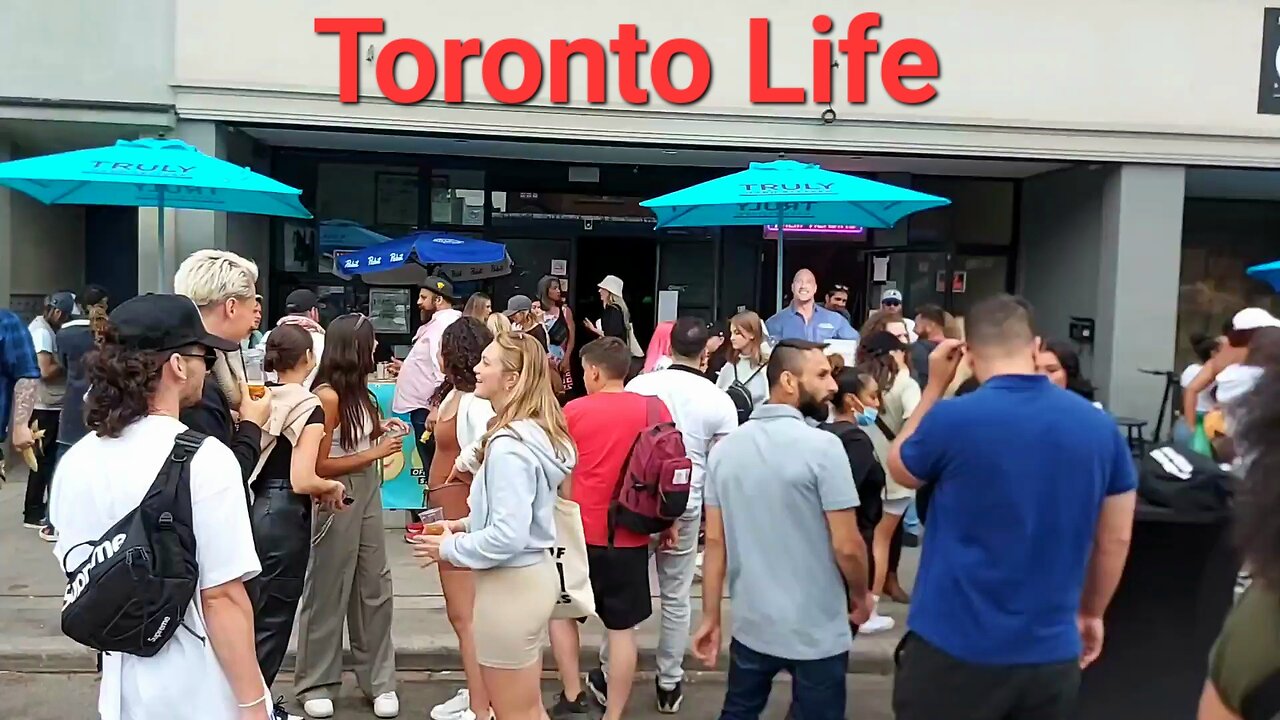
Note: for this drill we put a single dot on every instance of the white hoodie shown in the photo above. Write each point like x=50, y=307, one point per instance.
x=512, y=522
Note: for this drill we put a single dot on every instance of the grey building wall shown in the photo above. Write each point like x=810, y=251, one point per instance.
x=76, y=51
x=1104, y=242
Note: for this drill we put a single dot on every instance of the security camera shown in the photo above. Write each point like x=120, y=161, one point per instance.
x=828, y=116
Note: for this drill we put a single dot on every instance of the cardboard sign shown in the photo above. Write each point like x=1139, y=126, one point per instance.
x=404, y=480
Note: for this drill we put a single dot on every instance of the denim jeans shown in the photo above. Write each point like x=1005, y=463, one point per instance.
x=911, y=520
x=817, y=686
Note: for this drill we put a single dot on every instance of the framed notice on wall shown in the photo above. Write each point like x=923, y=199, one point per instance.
x=1269, y=82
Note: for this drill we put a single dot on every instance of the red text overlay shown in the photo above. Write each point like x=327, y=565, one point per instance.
x=906, y=66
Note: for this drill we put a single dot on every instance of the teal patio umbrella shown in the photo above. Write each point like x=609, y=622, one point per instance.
x=1268, y=273
x=786, y=192
x=152, y=172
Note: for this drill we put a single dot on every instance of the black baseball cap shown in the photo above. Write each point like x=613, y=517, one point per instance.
x=301, y=300
x=440, y=286
x=158, y=323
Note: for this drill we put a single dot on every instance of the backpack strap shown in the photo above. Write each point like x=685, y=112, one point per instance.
x=653, y=415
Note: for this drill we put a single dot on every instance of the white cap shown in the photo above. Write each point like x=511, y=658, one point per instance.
x=1254, y=318
x=612, y=283
x=891, y=294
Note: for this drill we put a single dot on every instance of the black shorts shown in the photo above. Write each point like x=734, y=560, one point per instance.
x=620, y=582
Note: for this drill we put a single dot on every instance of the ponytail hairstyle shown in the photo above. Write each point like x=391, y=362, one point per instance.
x=94, y=302
x=286, y=348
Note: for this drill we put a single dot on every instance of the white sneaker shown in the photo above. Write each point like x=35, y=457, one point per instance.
x=318, y=708
x=454, y=707
x=697, y=565
x=877, y=623
x=386, y=705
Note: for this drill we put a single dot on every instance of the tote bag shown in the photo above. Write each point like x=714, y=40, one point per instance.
x=575, y=598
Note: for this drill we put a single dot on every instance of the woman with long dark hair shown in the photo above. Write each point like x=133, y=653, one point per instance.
x=1059, y=361
x=559, y=322
x=1244, y=667
x=460, y=419
x=350, y=578
x=284, y=483
x=525, y=456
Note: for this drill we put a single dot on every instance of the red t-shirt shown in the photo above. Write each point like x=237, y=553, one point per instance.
x=604, y=426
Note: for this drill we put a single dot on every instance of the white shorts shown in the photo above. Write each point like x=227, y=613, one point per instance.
x=898, y=506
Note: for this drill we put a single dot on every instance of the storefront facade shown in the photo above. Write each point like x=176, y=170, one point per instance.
x=1068, y=145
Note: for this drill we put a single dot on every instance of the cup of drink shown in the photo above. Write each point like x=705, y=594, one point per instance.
x=433, y=521
x=255, y=375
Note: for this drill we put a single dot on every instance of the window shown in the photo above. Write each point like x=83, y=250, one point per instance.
x=457, y=197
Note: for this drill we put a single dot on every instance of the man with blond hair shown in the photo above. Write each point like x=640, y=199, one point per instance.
x=223, y=287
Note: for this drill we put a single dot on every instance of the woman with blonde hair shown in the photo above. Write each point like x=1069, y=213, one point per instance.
x=748, y=357
x=615, y=320
x=498, y=324
x=525, y=456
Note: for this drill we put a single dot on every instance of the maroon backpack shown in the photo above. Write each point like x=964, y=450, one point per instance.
x=653, y=490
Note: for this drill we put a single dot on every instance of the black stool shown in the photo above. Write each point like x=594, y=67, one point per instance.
x=1133, y=431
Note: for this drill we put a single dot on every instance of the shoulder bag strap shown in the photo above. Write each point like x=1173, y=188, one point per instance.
x=884, y=428
x=753, y=375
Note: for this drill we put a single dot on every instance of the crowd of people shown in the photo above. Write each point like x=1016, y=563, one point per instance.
x=790, y=473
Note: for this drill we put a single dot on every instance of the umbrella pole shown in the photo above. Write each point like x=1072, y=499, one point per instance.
x=781, y=232
x=160, y=263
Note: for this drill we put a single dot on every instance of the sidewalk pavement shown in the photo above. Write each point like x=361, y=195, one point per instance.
x=31, y=590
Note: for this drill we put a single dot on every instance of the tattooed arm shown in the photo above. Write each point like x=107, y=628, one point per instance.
x=24, y=401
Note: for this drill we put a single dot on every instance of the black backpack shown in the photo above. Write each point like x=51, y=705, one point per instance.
x=741, y=396
x=1176, y=478
x=132, y=593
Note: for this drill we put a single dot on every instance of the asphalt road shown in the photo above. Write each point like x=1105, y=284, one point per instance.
x=74, y=697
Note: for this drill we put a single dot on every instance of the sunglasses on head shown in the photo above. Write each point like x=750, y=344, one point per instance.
x=361, y=319
x=840, y=288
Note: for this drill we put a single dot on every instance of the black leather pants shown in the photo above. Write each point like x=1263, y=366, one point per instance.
x=282, y=533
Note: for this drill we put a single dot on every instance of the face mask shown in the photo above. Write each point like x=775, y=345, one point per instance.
x=867, y=416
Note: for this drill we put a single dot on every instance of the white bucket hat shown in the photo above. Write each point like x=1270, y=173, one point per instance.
x=612, y=283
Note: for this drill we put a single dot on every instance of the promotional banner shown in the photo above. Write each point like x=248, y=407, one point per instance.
x=404, y=480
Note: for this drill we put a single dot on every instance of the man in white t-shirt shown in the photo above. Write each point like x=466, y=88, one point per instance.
x=208, y=668
x=48, y=406
x=703, y=413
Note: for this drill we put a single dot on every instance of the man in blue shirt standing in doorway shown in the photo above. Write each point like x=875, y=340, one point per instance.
x=804, y=319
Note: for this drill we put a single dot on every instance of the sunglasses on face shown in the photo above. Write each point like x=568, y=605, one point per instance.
x=209, y=355
x=891, y=303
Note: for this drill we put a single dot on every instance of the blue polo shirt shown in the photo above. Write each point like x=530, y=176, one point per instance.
x=1021, y=469
x=825, y=325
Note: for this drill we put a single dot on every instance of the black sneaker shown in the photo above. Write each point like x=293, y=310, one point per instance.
x=564, y=709
x=598, y=686
x=279, y=713
x=669, y=700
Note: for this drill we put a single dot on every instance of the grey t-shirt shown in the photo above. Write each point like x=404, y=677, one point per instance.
x=773, y=479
